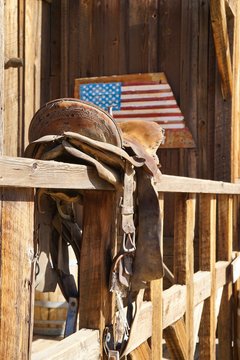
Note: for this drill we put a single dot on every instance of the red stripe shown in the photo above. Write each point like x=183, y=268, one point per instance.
x=148, y=99
x=129, y=83
x=151, y=107
x=145, y=92
x=119, y=116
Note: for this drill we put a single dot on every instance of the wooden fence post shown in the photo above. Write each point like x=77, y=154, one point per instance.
x=16, y=272
x=1, y=73
x=224, y=252
x=184, y=225
x=156, y=298
x=99, y=237
x=207, y=256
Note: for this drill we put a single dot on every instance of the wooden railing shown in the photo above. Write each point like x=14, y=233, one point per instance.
x=201, y=300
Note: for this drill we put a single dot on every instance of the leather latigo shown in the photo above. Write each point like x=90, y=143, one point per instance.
x=75, y=131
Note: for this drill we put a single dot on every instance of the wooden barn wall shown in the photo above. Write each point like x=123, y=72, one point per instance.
x=60, y=40
x=105, y=37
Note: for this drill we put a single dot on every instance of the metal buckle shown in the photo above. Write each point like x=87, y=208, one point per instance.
x=129, y=239
x=113, y=355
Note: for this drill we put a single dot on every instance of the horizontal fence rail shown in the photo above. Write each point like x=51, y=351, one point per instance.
x=202, y=298
x=22, y=172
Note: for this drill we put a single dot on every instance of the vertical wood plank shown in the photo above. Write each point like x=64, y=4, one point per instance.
x=111, y=42
x=236, y=99
x=138, y=37
x=74, y=48
x=47, y=55
x=32, y=50
x=170, y=33
x=95, y=303
x=224, y=252
x=184, y=226
x=85, y=37
x=207, y=257
x=64, y=46
x=156, y=287
x=11, y=108
x=16, y=272
x=1, y=73
x=202, y=93
x=55, y=51
x=220, y=33
x=142, y=352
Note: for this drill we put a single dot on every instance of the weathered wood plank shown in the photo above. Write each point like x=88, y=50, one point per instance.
x=16, y=273
x=184, y=226
x=169, y=33
x=64, y=47
x=175, y=337
x=197, y=320
x=236, y=90
x=96, y=306
x=21, y=172
x=11, y=106
x=1, y=74
x=220, y=34
x=207, y=249
x=84, y=344
x=111, y=42
x=224, y=252
x=143, y=327
x=156, y=287
x=143, y=352
x=189, y=185
x=32, y=61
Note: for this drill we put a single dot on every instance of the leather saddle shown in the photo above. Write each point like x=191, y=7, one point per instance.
x=75, y=131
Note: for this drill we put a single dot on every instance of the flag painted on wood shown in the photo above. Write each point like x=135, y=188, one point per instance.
x=150, y=101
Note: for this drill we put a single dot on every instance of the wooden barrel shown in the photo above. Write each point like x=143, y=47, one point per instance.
x=50, y=309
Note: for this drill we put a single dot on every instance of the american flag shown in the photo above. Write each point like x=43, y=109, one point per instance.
x=150, y=101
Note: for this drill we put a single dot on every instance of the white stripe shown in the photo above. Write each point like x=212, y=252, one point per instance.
x=149, y=103
x=144, y=96
x=165, y=126
x=146, y=87
x=173, y=126
x=163, y=118
x=148, y=111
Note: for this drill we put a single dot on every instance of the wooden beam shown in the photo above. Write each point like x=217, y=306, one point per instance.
x=236, y=99
x=221, y=41
x=16, y=272
x=184, y=226
x=1, y=74
x=207, y=249
x=143, y=352
x=169, y=183
x=176, y=340
x=174, y=303
x=224, y=252
x=156, y=288
x=96, y=305
x=22, y=172
x=84, y=344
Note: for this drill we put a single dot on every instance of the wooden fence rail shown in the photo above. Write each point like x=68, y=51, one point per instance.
x=200, y=301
